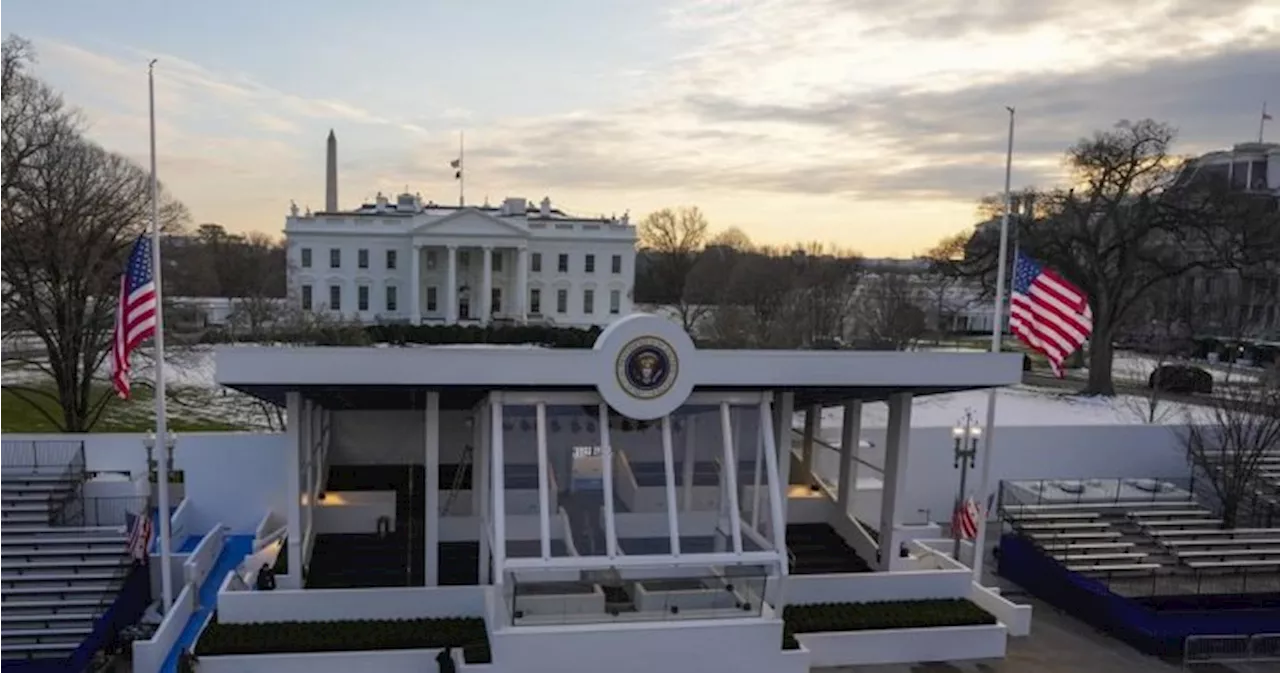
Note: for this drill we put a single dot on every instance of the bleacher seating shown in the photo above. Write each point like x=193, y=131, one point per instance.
x=55, y=581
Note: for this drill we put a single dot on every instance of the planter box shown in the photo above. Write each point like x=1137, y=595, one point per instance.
x=383, y=661
x=896, y=646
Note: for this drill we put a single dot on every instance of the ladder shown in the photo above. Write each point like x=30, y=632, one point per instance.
x=463, y=464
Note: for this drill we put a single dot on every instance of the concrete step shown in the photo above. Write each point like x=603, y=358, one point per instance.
x=37, y=651
x=17, y=532
x=27, y=621
x=15, y=607
x=15, y=578
x=48, y=634
x=96, y=588
x=25, y=542
x=65, y=553
x=54, y=565
x=20, y=507
x=24, y=518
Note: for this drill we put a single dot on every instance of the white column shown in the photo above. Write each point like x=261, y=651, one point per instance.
x=431, y=470
x=896, y=450
x=480, y=484
x=415, y=286
x=521, y=305
x=606, y=455
x=306, y=440
x=686, y=468
x=784, y=409
x=731, y=476
x=451, y=286
x=812, y=424
x=544, y=512
x=668, y=459
x=499, y=486
x=486, y=285
x=850, y=438
x=293, y=494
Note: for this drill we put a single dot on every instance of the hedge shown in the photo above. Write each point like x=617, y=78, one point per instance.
x=829, y=617
x=364, y=635
x=342, y=334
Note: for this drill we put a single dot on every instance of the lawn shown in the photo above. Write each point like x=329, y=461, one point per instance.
x=189, y=409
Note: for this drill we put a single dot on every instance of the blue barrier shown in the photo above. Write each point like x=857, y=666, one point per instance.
x=1155, y=625
x=127, y=609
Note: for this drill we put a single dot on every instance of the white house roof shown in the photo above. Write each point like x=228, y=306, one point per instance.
x=395, y=377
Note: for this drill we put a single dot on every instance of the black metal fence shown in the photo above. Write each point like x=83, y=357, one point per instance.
x=40, y=456
x=103, y=511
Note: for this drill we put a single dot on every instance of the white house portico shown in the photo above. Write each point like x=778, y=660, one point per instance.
x=416, y=262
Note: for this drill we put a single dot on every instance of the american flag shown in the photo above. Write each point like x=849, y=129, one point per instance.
x=136, y=313
x=1047, y=313
x=964, y=521
x=140, y=535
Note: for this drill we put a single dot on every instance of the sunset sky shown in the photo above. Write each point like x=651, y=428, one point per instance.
x=872, y=125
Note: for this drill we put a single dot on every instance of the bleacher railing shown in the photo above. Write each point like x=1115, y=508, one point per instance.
x=1095, y=491
x=40, y=456
x=1214, y=650
x=1166, y=581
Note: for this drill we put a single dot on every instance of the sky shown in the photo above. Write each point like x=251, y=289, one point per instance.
x=866, y=124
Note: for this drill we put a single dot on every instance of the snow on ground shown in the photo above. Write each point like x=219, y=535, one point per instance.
x=1137, y=367
x=1024, y=406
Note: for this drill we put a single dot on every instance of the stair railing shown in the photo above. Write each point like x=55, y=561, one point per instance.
x=67, y=508
x=464, y=465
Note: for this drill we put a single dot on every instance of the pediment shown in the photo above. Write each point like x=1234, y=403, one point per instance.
x=470, y=222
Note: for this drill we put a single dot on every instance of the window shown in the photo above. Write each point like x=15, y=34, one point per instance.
x=589, y=265
x=335, y=258
x=617, y=264
x=562, y=301
x=335, y=297
x=615, y=302
x=391, y=299
x=391, y=259
x=362, y=297
x=495, y=300
x=306, y=297
x=588, y=301
x=497, y=261
x=362, y=258
x=563, y=264
x=535, y=301
x=431, y=299
x=535, y=262
x=306, y=258
x=431, y=260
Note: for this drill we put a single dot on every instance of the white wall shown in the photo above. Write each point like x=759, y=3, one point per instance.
x=321, y=605
x=149, y=655
x=867, y=587
x=386, y=661
x=203, y=557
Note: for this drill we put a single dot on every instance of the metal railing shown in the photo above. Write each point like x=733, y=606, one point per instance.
x=39, y=456
x=102, y=511
x=1211, y=650
x=75, y=475
x=1167, y=580
x=1101, y=492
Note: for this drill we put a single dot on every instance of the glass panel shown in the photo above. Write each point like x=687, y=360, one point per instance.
x=753, y=477
x=701, y=485
x=639, y=486
x=520, y=474
x=637, y=595
x=576, y=497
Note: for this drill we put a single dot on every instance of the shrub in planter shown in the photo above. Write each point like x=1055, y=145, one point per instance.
x=827, y=617
x=364, y=635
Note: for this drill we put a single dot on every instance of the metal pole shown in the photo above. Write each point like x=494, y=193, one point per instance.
x=997, y=328
x=162, y=434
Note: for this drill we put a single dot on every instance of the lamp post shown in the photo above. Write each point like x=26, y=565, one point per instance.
x=966, y=436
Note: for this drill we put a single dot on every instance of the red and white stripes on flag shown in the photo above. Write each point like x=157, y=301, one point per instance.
x=964, y=521
x=1047, y=313
x=135, y=314
x=140, y=535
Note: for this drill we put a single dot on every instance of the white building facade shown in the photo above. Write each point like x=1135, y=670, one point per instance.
x=425, y=263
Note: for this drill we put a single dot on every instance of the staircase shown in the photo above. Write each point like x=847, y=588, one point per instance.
x=55, y=581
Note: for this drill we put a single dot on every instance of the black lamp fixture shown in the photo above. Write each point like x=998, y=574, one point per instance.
x=320, y=496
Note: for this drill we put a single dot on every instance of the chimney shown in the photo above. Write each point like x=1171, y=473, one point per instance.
x=513, y=206
x=331, y=174
x=380, y=203
x=545, y=209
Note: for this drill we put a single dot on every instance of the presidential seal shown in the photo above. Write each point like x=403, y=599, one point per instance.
x=647, y=367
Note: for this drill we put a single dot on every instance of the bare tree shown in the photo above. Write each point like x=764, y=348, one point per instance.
x=1227, y=453
x=70, y=212
x=1116, y=235
x=944, y=259
x=888, y=314
x=674, y=237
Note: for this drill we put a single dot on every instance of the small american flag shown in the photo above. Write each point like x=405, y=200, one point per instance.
x=140, y=535
x=964, y=521
x=1047, y=313
x=136, y=313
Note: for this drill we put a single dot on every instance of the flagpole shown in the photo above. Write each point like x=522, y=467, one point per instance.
x=1262, y=122
x=462, y=174
x=162, y=431
x=997, y=330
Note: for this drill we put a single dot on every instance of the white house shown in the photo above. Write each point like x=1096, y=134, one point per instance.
x=417, y=262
